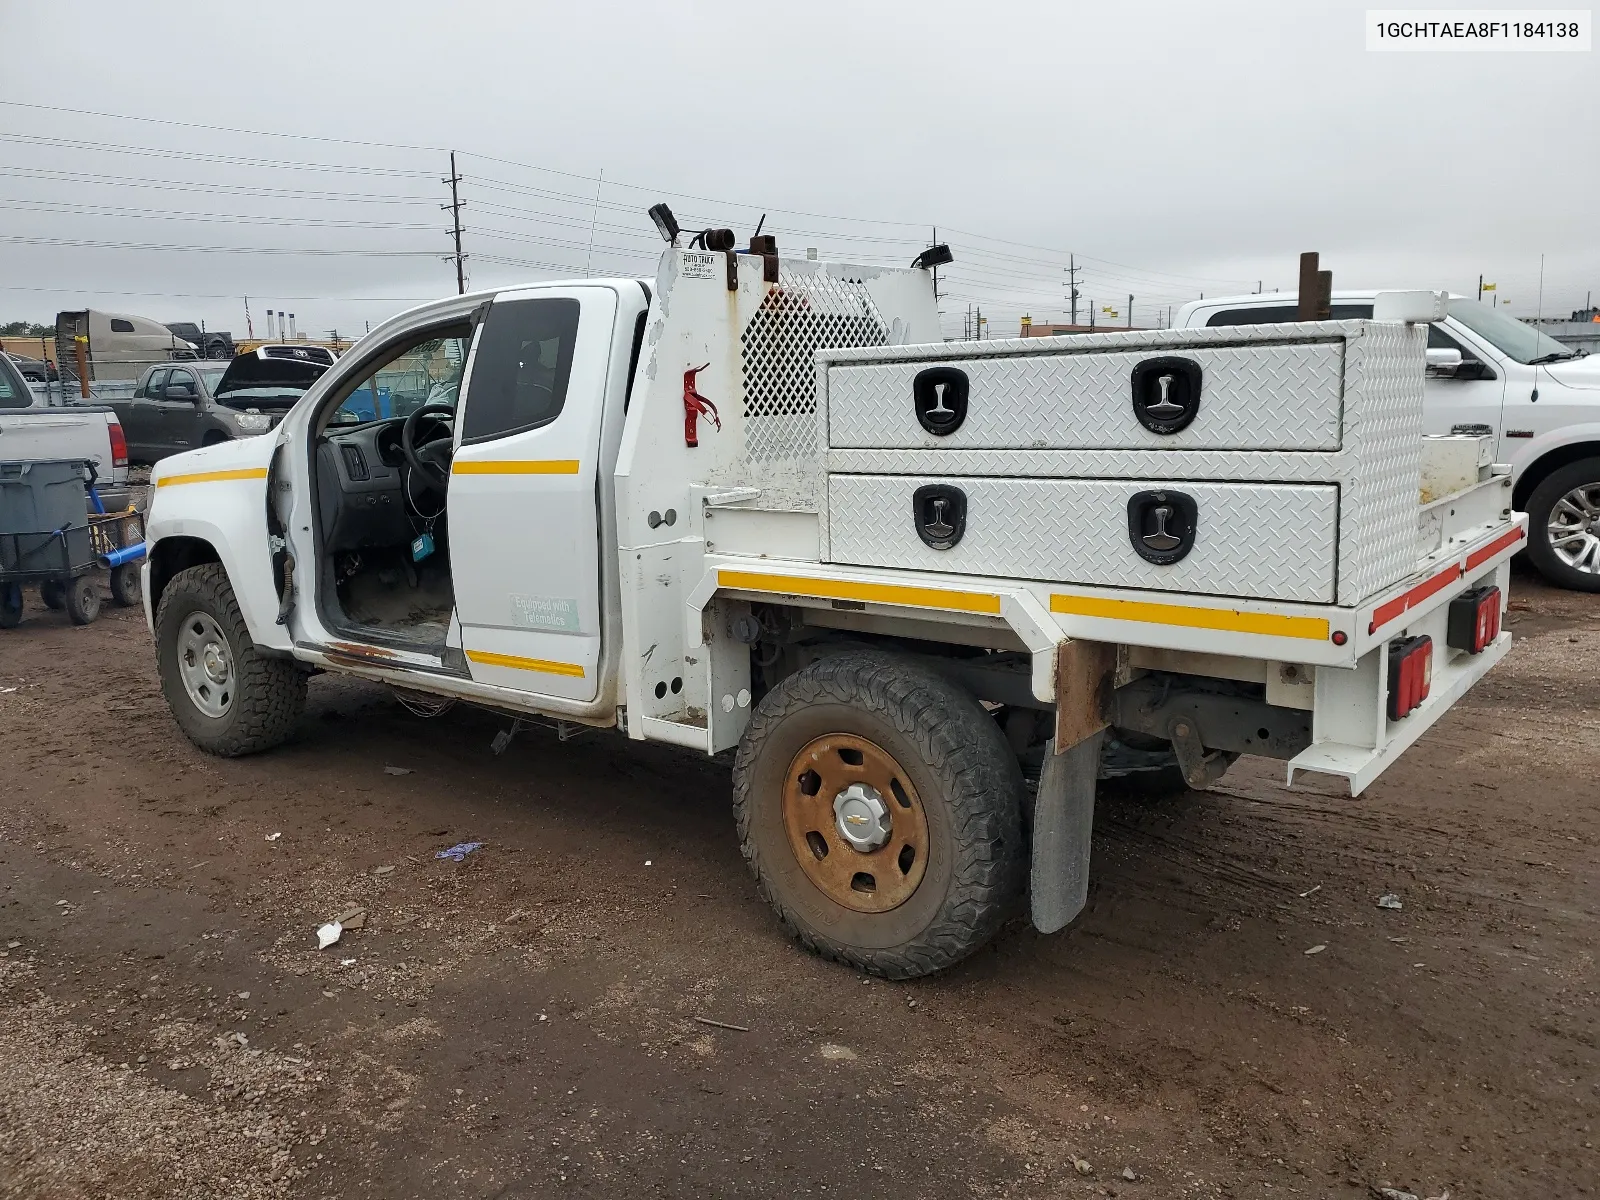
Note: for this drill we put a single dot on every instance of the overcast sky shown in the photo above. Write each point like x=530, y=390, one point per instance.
x=1174, y=148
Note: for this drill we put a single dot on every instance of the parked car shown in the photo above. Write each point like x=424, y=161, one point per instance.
x=184, y=405
x=30, y=431
x=218, y=347
x=1540, y=399
x=34, y=370
x=118, y=346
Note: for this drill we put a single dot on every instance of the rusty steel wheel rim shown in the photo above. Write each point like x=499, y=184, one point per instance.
x=855, y=823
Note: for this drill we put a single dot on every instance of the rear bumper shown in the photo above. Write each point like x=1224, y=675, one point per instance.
x=1352, y=735
x=1360, y=765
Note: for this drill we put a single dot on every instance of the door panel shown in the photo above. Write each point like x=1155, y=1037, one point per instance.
x=141, y=423
x=523, y=507
x=180, y=422
x=1447, y=401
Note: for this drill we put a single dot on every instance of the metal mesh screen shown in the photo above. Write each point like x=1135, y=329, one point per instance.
x=804, y=313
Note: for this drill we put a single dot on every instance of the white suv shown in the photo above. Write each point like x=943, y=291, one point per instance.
x=1540, y=398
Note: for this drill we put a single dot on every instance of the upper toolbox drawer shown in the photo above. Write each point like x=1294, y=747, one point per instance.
x=1265, y=541
x=1256, y=397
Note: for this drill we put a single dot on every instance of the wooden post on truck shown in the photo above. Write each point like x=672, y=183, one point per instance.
x=1316, y=290
x=80, y=346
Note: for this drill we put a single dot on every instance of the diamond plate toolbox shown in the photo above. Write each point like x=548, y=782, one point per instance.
x=1322, y=421
x=1267, y=397
x=1269, y=541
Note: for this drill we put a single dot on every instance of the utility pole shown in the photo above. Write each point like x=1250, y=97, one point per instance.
x=935, y=270
x=454, y=209
x=1091, y=314
x=1072, y=287
x=1130, y=311
x=588, y=262
x=1480, y=289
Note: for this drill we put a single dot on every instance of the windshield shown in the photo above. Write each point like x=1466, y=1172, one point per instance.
x=211, y=375
x=1522, y=343
x=429, y=373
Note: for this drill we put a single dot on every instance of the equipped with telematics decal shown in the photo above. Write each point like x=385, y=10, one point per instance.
x=757, y=504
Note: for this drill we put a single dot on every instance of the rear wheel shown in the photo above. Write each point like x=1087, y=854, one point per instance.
x=52, y=594
x=879, y=808
x=83, y=599
x=1564, y=526
x=226, y=695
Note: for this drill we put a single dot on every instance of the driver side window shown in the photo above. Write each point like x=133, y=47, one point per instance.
x=426, y=372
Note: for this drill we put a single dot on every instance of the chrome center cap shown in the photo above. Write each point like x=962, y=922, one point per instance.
x=216, y=663
x=862, y=817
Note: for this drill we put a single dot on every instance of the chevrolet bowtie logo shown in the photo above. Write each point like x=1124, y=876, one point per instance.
x=856, y=819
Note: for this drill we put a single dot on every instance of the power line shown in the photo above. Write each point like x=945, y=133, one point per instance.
x=22, y=240
x=69, y=208
x=223, y=295
x=231, y=160
x=318, y=194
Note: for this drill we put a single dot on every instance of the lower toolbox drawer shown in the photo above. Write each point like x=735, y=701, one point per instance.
x=1266, y=541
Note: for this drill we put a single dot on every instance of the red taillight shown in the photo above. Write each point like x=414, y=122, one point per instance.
x=1474, y=619
x=1410, y=674
x=119, y=445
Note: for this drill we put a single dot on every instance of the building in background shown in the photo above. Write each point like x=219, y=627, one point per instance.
x=1032, y=328
x=1581, y=330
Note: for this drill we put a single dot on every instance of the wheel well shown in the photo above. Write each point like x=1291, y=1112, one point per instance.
x=175, y=554
x=214, y=438
x=1540, y=469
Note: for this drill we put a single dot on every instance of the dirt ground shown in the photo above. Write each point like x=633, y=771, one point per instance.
x=524, y=1023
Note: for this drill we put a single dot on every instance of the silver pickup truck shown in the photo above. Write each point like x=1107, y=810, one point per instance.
x=31, y=431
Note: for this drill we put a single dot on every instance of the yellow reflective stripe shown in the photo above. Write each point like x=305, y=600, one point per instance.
x=488, y=659
x=1230, y=619
x=516, y=466
x=873, y=593
x=212, y=476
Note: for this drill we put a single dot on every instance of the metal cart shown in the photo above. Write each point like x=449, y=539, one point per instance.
x=55, y=533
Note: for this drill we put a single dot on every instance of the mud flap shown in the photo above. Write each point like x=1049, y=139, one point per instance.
x=1062, y=822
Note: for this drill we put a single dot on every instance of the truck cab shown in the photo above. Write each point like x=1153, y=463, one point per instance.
x=928, y=593
x=1539, y=398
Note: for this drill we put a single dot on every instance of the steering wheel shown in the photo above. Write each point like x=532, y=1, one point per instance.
x=431, y=460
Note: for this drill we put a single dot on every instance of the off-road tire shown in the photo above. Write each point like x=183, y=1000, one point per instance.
x=53, y=595
x=965, y=774
x=125, y=585
x=1540, y=503
x=269, y=693
x=82, y=599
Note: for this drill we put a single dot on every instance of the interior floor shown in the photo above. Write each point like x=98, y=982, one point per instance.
x=381, y=588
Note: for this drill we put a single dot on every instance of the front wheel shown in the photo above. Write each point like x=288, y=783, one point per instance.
x=880, y=810
x=1564, y=526
x=226, y=695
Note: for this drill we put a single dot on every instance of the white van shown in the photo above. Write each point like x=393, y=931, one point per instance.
x=1539, y=398
x=120, y=345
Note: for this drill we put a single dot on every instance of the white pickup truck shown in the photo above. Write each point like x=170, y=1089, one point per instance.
x=1539, y=399
x=756, y=504
x=31, y=431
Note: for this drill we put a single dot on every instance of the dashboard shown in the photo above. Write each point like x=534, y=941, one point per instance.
x=361, y=486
